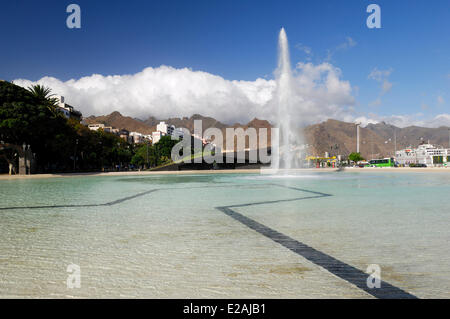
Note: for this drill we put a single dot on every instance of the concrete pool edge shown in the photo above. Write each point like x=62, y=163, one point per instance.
x=228, y=171
x=144, y=173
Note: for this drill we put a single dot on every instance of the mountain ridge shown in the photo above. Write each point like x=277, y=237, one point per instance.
x=332, y=136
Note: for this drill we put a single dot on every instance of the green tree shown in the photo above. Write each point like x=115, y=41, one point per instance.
x=40, y=92
x=26, y=119
x=59, y=143
x=157, y=154
x=355, y=157
x=44, y=96
x=164, y=147
x=145, y=155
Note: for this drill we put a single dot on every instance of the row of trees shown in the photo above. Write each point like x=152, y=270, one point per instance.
x=30, y=117
x=154, y=155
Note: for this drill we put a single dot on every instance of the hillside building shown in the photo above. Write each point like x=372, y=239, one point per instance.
x=109, y=129
x=156, y=136
x=67, y=109
x=139, y=138
x=163, y=129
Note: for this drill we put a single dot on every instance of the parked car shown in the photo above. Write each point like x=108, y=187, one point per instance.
x=418, y=165
x=363, y=164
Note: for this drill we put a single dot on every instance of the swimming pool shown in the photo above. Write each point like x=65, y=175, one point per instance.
x=226, y=236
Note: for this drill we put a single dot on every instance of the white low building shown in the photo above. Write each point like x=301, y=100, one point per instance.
x=163, y=129
x=156, y=136
x=427, y=154
x=65, y=108
x=139, y=138
x=109, y=129
x=96, y=126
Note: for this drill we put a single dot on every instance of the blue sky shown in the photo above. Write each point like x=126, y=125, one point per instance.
x=237, y=40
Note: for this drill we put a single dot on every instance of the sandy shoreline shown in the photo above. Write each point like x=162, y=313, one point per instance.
x=228, y=171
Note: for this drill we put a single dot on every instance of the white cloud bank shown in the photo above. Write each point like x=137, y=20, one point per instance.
x=168, y=92
x=406, y=120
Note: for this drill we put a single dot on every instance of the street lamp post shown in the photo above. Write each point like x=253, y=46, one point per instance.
x=23, y=161
x=372, y=147
x=118, y=158
x=357, y=137
x=147, y=155
x=395, y=142
x=75, y=155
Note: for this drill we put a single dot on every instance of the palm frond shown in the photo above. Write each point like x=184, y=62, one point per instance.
x=40, y=92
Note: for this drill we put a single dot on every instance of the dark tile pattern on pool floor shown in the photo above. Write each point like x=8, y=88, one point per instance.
x=115, y=202
x=118, y=201
x=331, y=264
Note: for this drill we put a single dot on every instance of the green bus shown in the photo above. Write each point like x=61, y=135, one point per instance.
x=385, y=162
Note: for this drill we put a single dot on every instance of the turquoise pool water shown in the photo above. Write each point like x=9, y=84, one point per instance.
x=163, y=236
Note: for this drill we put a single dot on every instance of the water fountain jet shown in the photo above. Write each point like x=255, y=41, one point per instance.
x=289, y=136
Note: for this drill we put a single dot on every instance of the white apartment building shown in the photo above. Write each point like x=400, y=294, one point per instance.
x=109, y=129
x=95, y=127
x=427, y=154
x=163, y=129
x=65, y=108
x=139, y=138
x=156, y=136
x=177, y=132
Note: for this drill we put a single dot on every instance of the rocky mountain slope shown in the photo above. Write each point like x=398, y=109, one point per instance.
x=332, y=136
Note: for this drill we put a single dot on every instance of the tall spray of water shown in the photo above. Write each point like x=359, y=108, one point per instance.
x=290, y=138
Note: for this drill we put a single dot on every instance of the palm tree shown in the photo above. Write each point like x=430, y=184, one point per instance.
x=40, y=92
x=44, y=94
